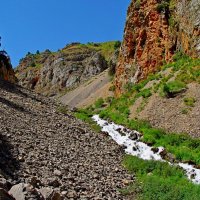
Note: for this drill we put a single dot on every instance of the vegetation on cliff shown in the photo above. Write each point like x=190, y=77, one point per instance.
x=53, y=73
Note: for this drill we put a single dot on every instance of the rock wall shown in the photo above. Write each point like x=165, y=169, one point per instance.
x=6, y=71
x=50, y=73
x=154, y=31
x=187, y=16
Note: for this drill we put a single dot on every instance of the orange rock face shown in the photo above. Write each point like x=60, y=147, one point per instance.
x=149, y=41
x=6, y=71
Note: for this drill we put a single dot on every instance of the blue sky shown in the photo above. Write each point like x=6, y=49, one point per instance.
x=31, y=25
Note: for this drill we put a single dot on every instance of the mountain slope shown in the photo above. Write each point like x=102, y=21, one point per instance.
x=51, y=73
x=52, y=150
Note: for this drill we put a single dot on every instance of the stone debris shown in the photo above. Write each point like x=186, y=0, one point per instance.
x=50, y=156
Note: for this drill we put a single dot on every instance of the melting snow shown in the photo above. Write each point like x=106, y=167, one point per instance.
x=130, y=141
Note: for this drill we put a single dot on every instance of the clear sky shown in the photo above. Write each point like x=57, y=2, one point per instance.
x=31, y=25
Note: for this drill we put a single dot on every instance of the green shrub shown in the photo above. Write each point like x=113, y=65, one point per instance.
x=117, y=45
x=172, y=22
x=33, y=64
x=184, y=111
x=145, y=93
x=162, y=7
x=137, y=4
x=173, y=87
x=189, y=101
x=99, y=103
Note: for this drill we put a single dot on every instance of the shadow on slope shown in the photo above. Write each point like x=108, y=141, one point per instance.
x=13, y=105
x=18, y=90
x=9, y=165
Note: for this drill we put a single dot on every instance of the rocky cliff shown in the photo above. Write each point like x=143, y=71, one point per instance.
x=50, y=73
x=6, y=71
x=155, y=30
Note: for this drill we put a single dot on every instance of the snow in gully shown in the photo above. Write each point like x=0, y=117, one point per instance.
x=130, y=140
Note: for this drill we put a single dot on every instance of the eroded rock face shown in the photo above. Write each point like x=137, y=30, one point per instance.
x=49, y=73
x=187, y=15
x=154, y=31
x=6, y=71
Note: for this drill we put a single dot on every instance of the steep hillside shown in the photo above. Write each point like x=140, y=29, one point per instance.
x=154, y=31
x=50, y=73
x=49, y=155
x=168, y=99
x=89, y=92
x=6, y=71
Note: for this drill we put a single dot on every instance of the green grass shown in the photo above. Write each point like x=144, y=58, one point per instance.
x=85, y=115
x=189, y=101
x=188, y=69
x=106, y=48
x=159, y=181
x=173, y=87
x=99, y=103
x=183, y=147
x=185, y=111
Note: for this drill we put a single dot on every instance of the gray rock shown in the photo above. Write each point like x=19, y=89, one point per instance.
x=50, y=194
x=57, y=173
x=17, y=191
x=65, y=69
x=5, y=184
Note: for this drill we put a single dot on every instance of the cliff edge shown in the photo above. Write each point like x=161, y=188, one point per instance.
x=6, y=71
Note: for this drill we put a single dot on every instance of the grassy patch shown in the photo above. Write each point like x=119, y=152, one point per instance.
x=106, y=48
x=185, y=111
x=159, y=181
x=85, y=115
x=142, y=105
x=99, y=103
x=189, y=101
x=170, y=89
x=182, y=146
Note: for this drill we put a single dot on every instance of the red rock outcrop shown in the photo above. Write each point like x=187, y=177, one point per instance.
x=6, y=71
x=154, y=31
